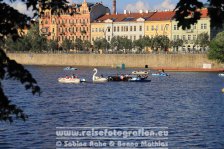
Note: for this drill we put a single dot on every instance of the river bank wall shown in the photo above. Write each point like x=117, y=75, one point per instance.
x=175, y=62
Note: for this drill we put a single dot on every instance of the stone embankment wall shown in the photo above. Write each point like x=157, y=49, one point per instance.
x=172, y=61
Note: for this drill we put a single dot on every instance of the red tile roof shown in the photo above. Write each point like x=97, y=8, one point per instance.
x=161, y=16
x=123, y=17
x=151, y=16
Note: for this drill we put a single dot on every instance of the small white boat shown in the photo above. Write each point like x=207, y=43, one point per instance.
x=70, y=68
x=161, y=74
x=97, y=79
x=221, y=74
x=69, y=80
x=140, y=72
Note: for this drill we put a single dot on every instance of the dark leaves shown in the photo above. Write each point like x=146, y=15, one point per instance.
x=187, y=13
x=216, y=12
x=12, y=70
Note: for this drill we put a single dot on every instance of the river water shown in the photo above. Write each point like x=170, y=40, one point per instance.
x=189, y=104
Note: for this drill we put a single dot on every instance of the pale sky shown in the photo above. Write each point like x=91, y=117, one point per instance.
x=130, y=5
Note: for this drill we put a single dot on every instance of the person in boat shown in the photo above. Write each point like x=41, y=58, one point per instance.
x=163, y=71
x=101, y=75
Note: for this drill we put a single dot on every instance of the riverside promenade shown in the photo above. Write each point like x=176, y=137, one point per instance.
x=169, y=62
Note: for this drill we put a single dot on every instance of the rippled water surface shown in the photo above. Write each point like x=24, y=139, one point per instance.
x=191, y=105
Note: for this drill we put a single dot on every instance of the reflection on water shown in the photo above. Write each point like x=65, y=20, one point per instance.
x=189, y=104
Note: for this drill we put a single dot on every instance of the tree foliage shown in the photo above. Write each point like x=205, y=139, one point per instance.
x=177, y=43
x=160, y=42
x=10, y=21
x=101, y=44
x=202, y=40
x=78, y=44
x=188, y=12
x=67, y=45
x=216, y=51
x=32, y=41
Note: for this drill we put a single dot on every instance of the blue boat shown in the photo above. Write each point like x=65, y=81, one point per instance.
x=139, y=78
x=161, y=74
x=70, y=68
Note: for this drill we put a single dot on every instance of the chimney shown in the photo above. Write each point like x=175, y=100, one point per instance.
x=125, y=11
x=114, y=7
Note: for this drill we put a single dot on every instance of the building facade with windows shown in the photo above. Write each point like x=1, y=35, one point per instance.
x=130, y=25
x=189, y=36
x=73, y=23
x=97, y=31
x=159, y=24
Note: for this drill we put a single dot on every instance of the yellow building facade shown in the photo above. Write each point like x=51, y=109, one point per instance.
x=97, y=31
x=160, y=23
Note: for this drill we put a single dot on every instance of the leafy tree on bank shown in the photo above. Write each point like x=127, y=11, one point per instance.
x=30, y=42
x=78, y=44
x=86, y=45
x=216, y=51
x=67, y=45
x=127, y=44
x=202, y=40
x=176, y=44
x=10, y=20
x=116, y=43
x=101, y=44
x=160, y=42
x=52, y=45
x=139, y=44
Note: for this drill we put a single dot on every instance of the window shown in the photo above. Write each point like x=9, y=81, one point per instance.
x=178, y=37
x=152, y=28
x=140, y=28
x=175, y=27
x=184, y=37
x=134, y=28
x=134, y=37
x=174, y=37
x=189, y=37
x=140, y=36
x=108, y=38
x=53, y=30
x=126, y=28
x=122, y=28
x=194, y=37
x=131, y=28
x=118, y=28
x=114, y=28
x=205, y=26
x=108, y=29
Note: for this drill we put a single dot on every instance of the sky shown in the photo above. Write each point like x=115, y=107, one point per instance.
x=130, y=5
